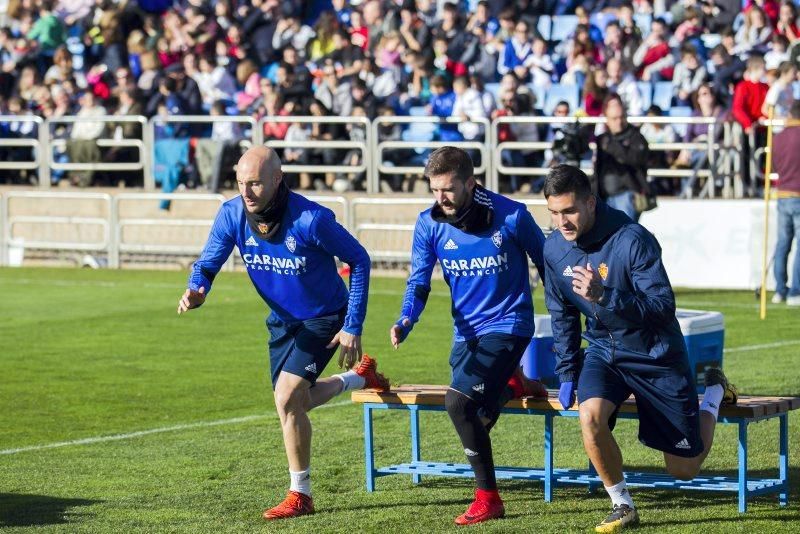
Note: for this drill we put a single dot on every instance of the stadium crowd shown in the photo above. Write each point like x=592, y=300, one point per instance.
x=470, y=59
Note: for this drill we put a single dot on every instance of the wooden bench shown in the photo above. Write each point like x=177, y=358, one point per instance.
x=416, y=398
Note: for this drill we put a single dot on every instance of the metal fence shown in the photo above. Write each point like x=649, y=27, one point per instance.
x=420, y=134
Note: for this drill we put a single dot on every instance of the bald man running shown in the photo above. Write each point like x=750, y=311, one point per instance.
x=288, y=244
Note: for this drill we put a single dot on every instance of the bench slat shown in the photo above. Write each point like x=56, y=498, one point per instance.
x=433, y=395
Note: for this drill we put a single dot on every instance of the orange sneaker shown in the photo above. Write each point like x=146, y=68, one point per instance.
x=523, y=386
x=295, y=504
x=368, y=370
x=487, y=505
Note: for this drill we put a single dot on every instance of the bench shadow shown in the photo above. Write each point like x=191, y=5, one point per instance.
x=23, y=510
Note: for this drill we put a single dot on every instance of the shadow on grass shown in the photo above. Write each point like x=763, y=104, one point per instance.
x=20, y=510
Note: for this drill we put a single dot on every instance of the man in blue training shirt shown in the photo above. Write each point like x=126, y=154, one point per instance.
x=288, y=244
x=482, y=241
x=603, y=265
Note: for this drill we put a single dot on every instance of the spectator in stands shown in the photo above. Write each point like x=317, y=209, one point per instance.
x=581, y=47
x=128, y=107
x=781, y=94
x=755, y=33
x=347, y=58
x=689, y=30
x=595, y=33
x=655, y=132
x=620, y=166
x=704, y=104
x=554, y=134
x=415, y=33
x=786, y=161
x=290, y=32
x=62, y=67
x=595, y=92
x=483, y=19
x=653, y=59
x=624, y=84
x=787, y=22
x=258, y=28
x=148, y=80
x=47, y=31
x=82, y=147
x=688, y=75
x=770, y=9
x=540, y=64
x=727, y=72
x=468, y=106
x=359, y=33
x=334, y=94
x=489, y=103
x=462, y=47
x=516, y=52
x=778, y=52
x=214, y=82
x=325, y=132
x=617, y=46
x=749, y=95
x=249, y=79
x=364, y=99
x=299, y=156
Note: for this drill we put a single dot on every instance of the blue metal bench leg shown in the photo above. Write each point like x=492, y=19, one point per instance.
x=548, y=458
x=414, y=415
x=592, y=471
x=784, y=459
x=369, y=448
x=742, y=466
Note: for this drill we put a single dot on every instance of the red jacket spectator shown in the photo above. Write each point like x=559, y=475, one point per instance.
x=748, y=98
x=771, y=8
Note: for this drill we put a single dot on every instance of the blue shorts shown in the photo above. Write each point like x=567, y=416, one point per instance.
x=300, y=347
x=482, y=366
x=666, y=398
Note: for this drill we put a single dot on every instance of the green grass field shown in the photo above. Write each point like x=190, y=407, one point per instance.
x=87, y=354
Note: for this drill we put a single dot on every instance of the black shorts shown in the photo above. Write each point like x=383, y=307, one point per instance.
x=666, y=398
x=300, y=348
x=482, y=366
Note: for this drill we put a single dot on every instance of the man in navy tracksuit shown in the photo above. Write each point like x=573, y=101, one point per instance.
x=482, y=241
x=288, y=244
x=602, y=265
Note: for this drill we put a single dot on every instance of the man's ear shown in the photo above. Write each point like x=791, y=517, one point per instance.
x=470, y=184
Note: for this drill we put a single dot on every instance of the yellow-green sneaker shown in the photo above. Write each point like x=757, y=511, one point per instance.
x=714, y=376
x=621, y=516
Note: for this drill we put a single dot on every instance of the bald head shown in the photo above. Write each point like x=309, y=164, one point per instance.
x=258, y=175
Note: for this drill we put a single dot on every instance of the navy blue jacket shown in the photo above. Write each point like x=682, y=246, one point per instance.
x=634, y=324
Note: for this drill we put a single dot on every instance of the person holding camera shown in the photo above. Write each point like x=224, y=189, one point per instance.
x=620, y=166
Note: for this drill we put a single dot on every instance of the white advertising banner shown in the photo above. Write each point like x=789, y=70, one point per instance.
x=713, y=244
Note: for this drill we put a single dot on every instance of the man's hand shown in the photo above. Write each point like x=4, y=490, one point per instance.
x=566, y=395
x=399, y=331
x=587, y=283
x=191, y=300
x=350, y=353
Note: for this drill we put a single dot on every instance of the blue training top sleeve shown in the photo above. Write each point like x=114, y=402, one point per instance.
x=566, y=324
x=215, y=253
x=334, y=239
x=653, y=301
x=531, y=238
x=423, y=259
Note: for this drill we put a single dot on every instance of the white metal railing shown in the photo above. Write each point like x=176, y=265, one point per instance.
x=119, y=223
x=323, y=144
x=36, y=141
x=10, y=220
x=141, y=164
x=379, y=147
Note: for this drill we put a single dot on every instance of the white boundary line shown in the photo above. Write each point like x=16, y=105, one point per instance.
x=777, y=344
x=140, y=433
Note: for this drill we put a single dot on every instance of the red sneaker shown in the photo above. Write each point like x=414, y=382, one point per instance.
x=295, y=504
x=368, y=369
x=487, y=505
x=523, y=386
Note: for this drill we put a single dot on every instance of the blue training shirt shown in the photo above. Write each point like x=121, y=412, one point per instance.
x=487, y=272
x=295, y=272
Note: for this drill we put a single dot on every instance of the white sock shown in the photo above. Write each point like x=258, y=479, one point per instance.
x=619, y=494
x=351, y=381
x=300, y=481
x=712, y=399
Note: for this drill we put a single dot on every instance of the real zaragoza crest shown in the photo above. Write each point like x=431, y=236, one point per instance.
x=497, y=239
x=291, y=244
x=603, y=270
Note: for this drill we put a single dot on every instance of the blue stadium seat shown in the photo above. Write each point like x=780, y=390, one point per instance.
x=418, y=111
x=558, y=92
x=643, y=21
x=563, y=26
x=543, y=26
x=710, y=40
x=662, y=95
x=540, y=92
x=646, y=90
x=680, y=111
x=493, y=89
